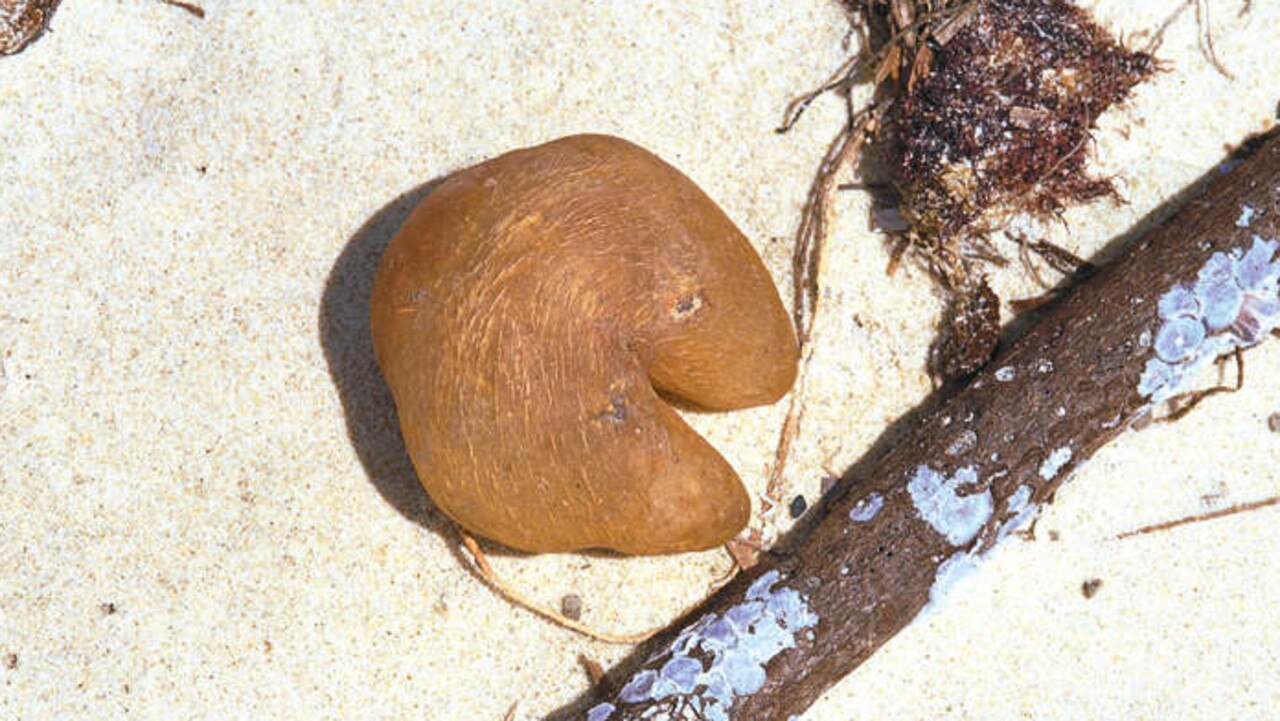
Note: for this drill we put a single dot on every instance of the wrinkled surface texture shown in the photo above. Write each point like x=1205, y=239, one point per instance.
x=523, y=316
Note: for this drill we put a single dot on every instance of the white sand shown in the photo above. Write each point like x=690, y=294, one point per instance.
x=177, y=200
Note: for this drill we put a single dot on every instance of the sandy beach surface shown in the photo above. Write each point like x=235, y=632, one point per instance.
x=206, y=511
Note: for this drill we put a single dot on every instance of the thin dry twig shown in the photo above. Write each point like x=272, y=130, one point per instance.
x=807, y=263
x=514, y=596
x=842, y=75
x=945, y=19
x=1187, y=402
x=1055, y=256
x=786, y=439
x=592, y=667
x=1024, y=257
x=1211, y=515
x=1061, y=259
x=811, y=236
x=1206, y=39
x=189, y=7
x=1157, y=38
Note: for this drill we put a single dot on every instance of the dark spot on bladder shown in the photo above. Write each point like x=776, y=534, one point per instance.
x=11, y=661
x=108, y=608
x=1273, y=422
x=687, y=306
x=617, y=411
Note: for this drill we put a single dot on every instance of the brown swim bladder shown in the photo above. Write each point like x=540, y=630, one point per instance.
x=526, y=317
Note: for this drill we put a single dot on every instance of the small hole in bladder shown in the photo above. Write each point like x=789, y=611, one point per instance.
x=687, y=306
x=617, y=410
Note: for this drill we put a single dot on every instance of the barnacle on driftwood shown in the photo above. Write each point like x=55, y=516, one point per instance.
x=984, y=111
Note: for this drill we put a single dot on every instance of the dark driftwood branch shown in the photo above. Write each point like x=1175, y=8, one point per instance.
x=974, y=466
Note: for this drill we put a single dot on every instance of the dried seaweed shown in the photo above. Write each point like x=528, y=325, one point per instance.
x=984, y=111
x=1000, y=123
x=970, y=332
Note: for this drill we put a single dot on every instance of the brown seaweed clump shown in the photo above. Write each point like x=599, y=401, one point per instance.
x=999, y=124
x=983, y=110
x=992, y=121
x=995, y=127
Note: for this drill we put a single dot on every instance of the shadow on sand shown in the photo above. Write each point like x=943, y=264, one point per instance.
x=370, y=412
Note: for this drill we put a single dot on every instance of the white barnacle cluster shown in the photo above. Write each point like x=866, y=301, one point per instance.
x=721, y=657
x=866, y=508
x=1233, y=304
x=1053, y=464
x=1247, y=214
x=939, y=501
x=1018, y=512
x=959, y=566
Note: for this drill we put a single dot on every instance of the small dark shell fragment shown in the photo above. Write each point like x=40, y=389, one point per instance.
x=798, y=506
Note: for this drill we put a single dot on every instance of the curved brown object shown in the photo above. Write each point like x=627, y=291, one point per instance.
x=524, y=315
